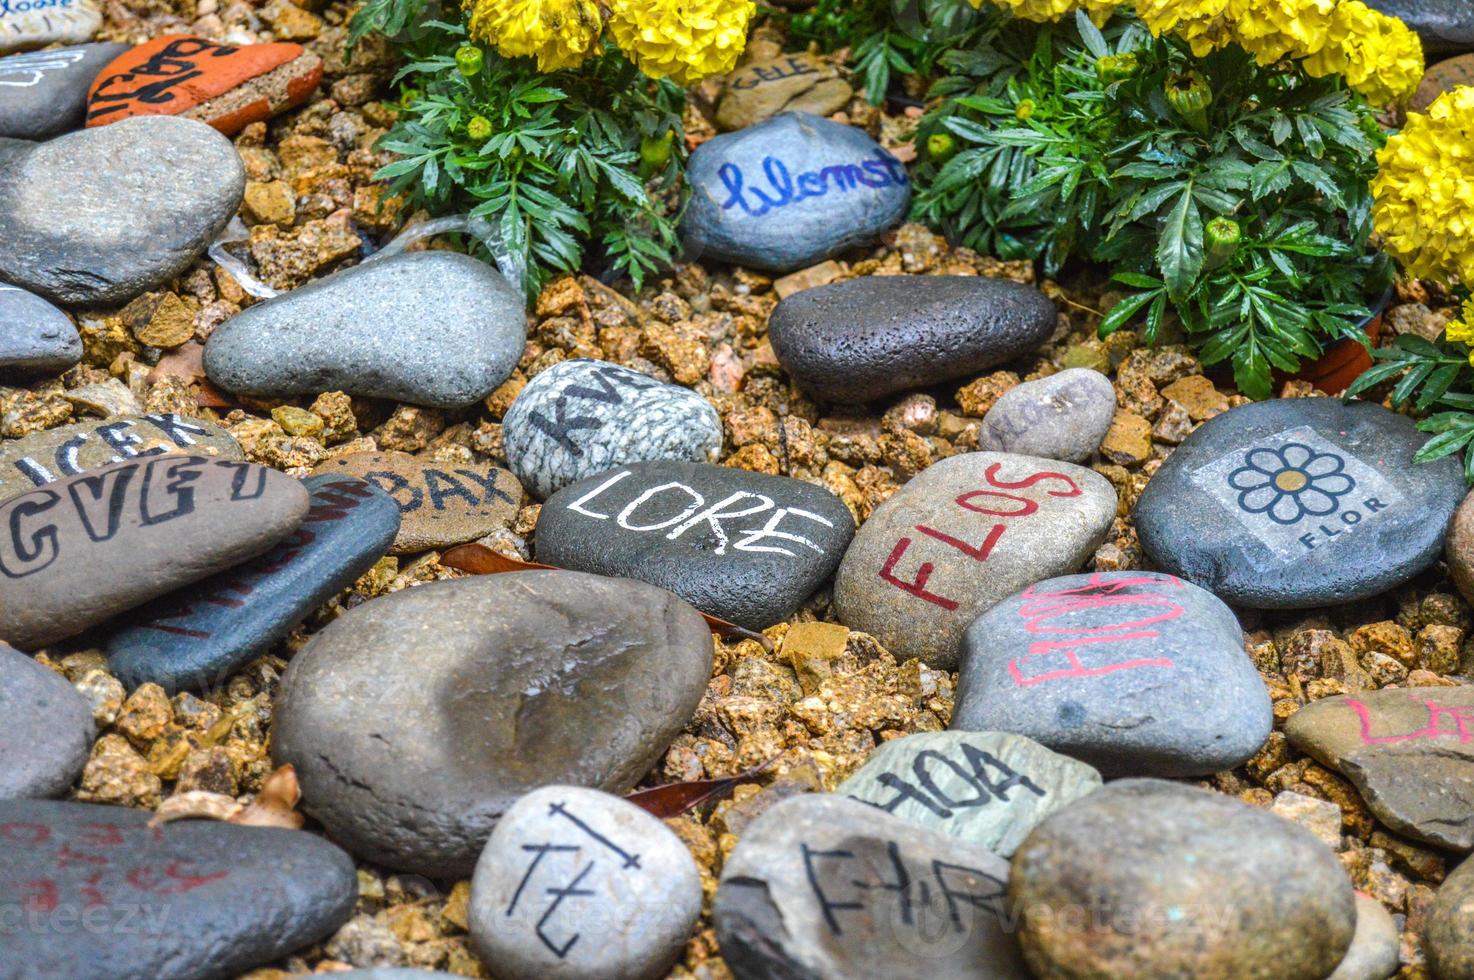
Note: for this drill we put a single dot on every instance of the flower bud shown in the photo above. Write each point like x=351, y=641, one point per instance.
x=940, y=147
x=1189, y=95
x=1025, y=109
x=479, y=128
x=469, y=59
x=1221, y=239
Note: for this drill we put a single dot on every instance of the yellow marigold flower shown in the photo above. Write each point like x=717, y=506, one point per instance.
x=1275, y=29
x=1203, y=24
x=558, y=33
x=686, y=40
x=1040, y=11
x=1384, y=57
x=1462, y=329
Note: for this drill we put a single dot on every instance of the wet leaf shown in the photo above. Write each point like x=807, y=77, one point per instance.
x=276, y=804
x=674, y=799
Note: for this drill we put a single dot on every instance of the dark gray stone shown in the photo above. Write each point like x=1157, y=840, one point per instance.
x=46, y=728
x=200, y=635
x=865, y=338
x=101, y=215
x=791, y=192
x=1301, y=502
x=1446, y=26
x=1064, y=416
x=417, y=719
x=46, y=91
x=35, y=337
x=11, y=148
x=94, y=893
x=1137, y=673
x=745, y=547
x=1448, y=937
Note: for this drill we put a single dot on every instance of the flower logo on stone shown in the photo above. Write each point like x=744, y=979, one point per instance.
x=1291, y=482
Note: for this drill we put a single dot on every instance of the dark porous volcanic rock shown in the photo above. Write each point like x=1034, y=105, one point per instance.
x=1448, y=936
x=46, y=91
x=1444, y=25
x=745, y=547
x=35, y=337
x=100, y=895
x=46, y=728
x=1296, y=503
x=1148, y=878
x=865, y=338
x=417, y=719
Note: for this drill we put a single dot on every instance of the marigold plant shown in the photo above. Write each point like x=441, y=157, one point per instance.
x=558, y=33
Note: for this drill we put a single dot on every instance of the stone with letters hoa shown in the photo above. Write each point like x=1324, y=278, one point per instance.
x=791, y=192
x=1295, y=503
x=745, y=547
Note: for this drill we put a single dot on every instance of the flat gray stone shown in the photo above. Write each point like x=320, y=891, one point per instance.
x=46, y=91
x=46, y=729
x=11, y=148
x=1375, y=952
x=1443, y=25
x=35, y=337
x=1448, y=936
x=35, y=23
x=1064, y=416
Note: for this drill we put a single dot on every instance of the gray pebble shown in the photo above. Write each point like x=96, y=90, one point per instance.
x=1375, y=946
x=46, y=91
x=1064, y=416
x=46, y=728
x=35, y=337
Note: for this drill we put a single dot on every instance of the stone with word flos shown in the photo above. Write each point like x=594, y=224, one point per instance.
x=583, y=417
x=1302, y=502
x=199, y=635
x=797, y=82
x=576, y=884
x=46, y=728
x=791, y=192
x=78, y=551
x=964, y=534
x=828, y=888
x=745, y=547
x=44, y=93
x=1064, y=416
x=35, y=337
x=36, y=23
x=1137, y=673
x=93, y=891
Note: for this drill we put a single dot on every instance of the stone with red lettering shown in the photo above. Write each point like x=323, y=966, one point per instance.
x=742, y=546
x=822, y=887
x=964, y=534
x=1408, y=751
x=1137, y=673
x=1064, y=416
x=46, y=728
x=797, y=82
x=77, y=552
x=94, y=891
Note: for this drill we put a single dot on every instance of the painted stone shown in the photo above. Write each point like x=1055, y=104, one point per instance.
x=44, y=93
x=1448, y=937
x=1064, y=416
x=35, y=337
x=46, y=729
x=37, y=23
x=1443, y=25
x=1375, y=952
x=791, y=83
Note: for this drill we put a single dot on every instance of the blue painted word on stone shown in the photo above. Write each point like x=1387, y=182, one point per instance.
x=880, y=171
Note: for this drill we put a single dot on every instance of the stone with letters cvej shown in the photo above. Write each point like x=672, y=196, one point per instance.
x=36, y=338
x=742, y=546
x=46, y=728
x=44, y=93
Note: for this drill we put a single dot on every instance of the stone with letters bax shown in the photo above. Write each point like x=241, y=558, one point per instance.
x=1136, y=673
x=95, y=891
x=1301, y=502
x=745, y=547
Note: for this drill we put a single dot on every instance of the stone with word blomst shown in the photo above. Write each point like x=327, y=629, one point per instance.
x=36, y=23
x=44, y=93
x=35, y=337
x=1064, y=416
x=46, y=728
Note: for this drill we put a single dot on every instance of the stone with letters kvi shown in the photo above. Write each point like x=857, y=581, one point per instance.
x=1300, y=502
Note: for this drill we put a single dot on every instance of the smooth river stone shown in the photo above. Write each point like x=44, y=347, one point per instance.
x=94, y=893
x=745, y=547
x=1137, y=673
x=35, y=337
x=1298, y=503
x=1406, y=750
x=201, y=634
x=45, y=92
x=11, y=148
x=417, y=719
x=1374, y=952
x=580, y=418
x=46, y=728
x=79, y=551
x=1064, y=416
x=1443, y=25
x=428, y=328
x=1448, y=936
x=796, y=82
x=36, y=23
x=987, y=788
x=822, y=887
x=1149, y=878
x=99, y=216
x=790, y=192
x=1459, y=548
x=576, y=884
x=963, y=535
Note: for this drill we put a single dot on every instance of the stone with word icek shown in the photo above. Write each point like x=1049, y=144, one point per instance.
x=987, y=788
x=76, y=552
x=1064, y=416
x=791, y=192
x=44, y=93
x=37, y=23
x=582, y=417
x=35, y=337
x=1300, y=502
x=1408, y=751
x=1137, y=673
x=46, y=728
x=742, y=546
x=576, y=884
x=795, y=82
x=964, y=534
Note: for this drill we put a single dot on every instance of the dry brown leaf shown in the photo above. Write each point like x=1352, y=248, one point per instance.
x=196, y=804
x=275, y=805
x=674, y=799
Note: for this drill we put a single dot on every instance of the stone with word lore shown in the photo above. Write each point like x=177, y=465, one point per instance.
x=987, y=788
x=1064, y=416
x=1150, y=878
x=575, y=883
x=201, y=634
x=46, y=728
x=791, y=192
x=583, y=417
x=440, y=503
x=1408, y=751
x=1448, y=936
x=1374, y=952
x=94, y=891
x=790, y=83
x=101, y=215
x=1443, y=25
x=35, y=337
x=36, y=23
x=1137, y=673
x=861, y=339
x=76, y=552
x=964, y=534
x=417, y=719
x=1301, y=502
x=823, y=887
x=745, y=547
x=44, y=93
x=384, y=329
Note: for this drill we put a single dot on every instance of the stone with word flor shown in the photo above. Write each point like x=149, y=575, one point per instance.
x=1295, y=503
x=36, y=23
x=44, y=93
x=791, y=192
x=582, y=417
x=964, y=534
x=76, y=552
x=95, y=893
x=1137, y=673
x=35, y=337
x=797, y=82
x=575, y=884
x=1064, y=416
x=745, y=547
x=46, y=728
